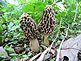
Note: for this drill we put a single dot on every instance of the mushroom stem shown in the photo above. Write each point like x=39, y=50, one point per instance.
x=46, y=41
x=34, y=45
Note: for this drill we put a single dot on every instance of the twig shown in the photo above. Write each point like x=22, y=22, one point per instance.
x=47, y=50
x=43, y=46
x=52, y=50
x=57, y=34
x=35, y=57
x=25, y=59
x=42, y=55
x=58, y=52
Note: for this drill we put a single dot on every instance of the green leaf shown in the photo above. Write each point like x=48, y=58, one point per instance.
x=29, y=53
x=52, y=59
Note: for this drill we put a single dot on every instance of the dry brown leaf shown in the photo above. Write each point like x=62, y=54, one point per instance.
x=70, y=48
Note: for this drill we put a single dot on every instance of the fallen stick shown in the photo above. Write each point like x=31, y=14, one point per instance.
x=52, y=51
x=43, y=54
x=47, y=50
x=58, y=52
x=33, y=58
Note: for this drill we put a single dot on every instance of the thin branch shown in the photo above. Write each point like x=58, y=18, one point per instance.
x=33, y=58
x=59, y=50
x=57, y=33
x=42, y=55
x=52, y=50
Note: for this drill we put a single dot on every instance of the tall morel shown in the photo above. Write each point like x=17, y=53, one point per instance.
x=30, y=30
x=47, y=22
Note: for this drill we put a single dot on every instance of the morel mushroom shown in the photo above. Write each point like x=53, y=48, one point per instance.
x=46, y=24
x=30, y=30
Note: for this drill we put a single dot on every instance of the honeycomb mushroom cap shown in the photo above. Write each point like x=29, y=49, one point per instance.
x=28, y=26
x=47, y=21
